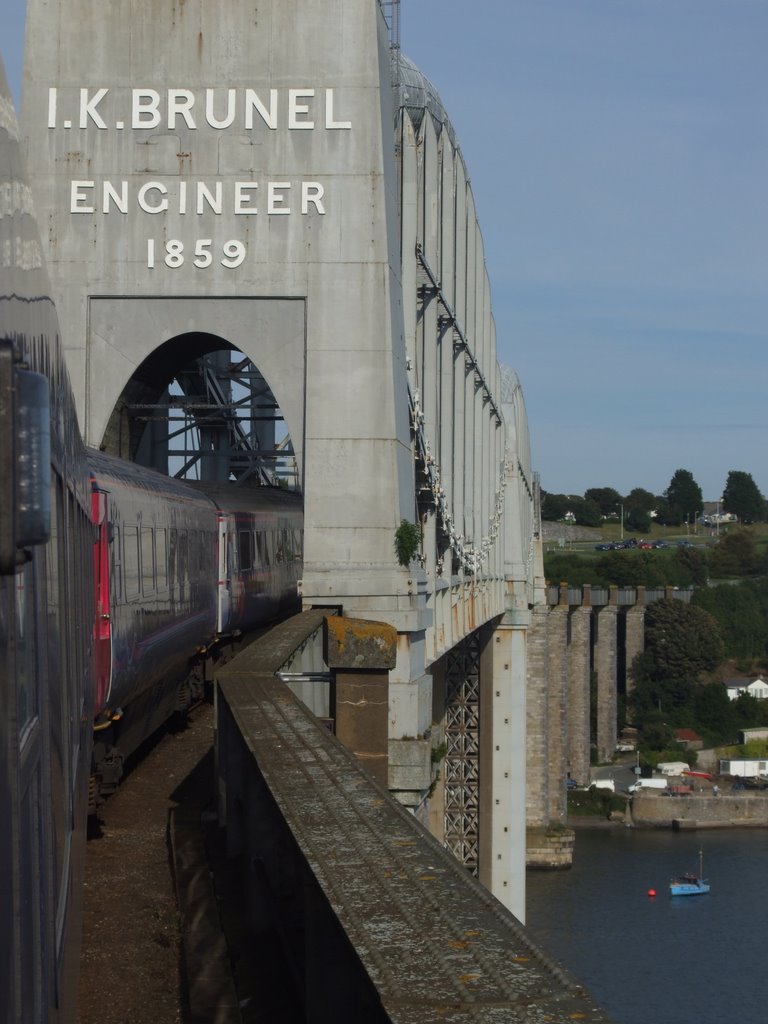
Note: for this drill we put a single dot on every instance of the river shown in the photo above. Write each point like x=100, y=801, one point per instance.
x=661, y=960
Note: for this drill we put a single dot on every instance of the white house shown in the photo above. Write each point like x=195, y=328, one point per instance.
x=757, y=688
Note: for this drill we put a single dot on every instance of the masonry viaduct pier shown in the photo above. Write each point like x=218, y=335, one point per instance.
x=581, y=647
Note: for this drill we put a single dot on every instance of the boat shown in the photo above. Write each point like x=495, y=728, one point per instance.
x=690, y=884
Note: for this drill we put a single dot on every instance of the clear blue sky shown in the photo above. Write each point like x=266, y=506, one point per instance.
x=618, y=151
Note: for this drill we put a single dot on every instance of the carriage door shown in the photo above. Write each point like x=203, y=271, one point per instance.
x=102, y=632
x=225, y=578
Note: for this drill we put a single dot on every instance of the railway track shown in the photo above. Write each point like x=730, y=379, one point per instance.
x=131, y=964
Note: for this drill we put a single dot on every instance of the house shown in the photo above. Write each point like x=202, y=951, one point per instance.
x=757, y=733
x=689, y=739
x=757, y=688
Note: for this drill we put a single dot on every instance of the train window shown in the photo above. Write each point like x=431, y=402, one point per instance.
x=245, y=549
x=183, y=562
x=131, y=560
x=116, y=564
x=161, y=560
x=260, y=549
x=173, y=554
x=147, y=559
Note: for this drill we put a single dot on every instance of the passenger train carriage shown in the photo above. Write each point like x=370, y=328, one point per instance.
x=116, y=587
x=180, y=572
x=46, y=612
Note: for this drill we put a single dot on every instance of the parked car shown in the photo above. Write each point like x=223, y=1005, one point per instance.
x=659, y=544
x=603, y=547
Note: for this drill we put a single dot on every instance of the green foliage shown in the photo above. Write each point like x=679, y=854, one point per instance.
x=685, y=494
x=594, y=802
x=682, y=642
x=407, y=541
x=652, y=756
x=642, y=499
x=555, y=506
x=631, y=569
x=683, y=639
x=638, y=520
x=606, y=499
x=742, y=614
x=742, y=497
x=735, y=554
x=691, y=567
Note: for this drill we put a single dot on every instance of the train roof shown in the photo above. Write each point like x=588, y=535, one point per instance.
x=234, y=497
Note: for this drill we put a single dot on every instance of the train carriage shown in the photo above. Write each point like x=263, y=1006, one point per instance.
x=111, y=600
x=45, y=615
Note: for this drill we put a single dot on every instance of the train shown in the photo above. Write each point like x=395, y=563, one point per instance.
x=181, y=572
x=118, y=587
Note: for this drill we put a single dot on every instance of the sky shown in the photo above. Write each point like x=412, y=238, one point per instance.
x=618, y=154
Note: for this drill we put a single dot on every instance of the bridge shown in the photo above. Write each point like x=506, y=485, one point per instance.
x=267, y=263
x=266, y=259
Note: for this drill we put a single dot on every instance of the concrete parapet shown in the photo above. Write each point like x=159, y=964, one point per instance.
x=410, y=767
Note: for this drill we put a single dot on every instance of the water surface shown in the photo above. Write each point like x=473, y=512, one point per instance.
x=662, y=960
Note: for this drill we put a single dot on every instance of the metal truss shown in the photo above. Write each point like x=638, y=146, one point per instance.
x=462, y=760
x=218, y=422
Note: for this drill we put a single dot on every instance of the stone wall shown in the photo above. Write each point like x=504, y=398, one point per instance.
x=705, y=811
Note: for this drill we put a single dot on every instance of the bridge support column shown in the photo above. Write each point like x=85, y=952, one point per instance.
x=605, y=664
x=577, y=765
x=635, y=642
x=360, y=654
x=556, y=714
x=537, y=733
x=502, y=763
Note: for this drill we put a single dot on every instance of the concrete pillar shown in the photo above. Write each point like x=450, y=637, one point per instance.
x=502, y=766
x=578, y=757
x=605, y=665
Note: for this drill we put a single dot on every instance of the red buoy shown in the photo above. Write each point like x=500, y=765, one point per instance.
x=651, y=892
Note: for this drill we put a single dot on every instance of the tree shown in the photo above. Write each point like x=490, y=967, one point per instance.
x=640, y=498
x=588, y=513
x=638, y=520
x=742, y=497
x=681, y=642
x=735, y=554
x=554, y=506
x=667, y=515
x=606, y=499
x=691, y=564
x=684, y=494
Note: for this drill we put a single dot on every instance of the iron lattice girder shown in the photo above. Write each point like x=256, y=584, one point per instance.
x=462, y=761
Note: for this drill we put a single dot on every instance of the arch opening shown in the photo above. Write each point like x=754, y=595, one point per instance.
x=199, y=409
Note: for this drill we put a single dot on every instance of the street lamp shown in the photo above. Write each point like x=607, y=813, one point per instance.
x=621, y=535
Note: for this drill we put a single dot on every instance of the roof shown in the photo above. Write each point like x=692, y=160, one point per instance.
x=686, y=734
